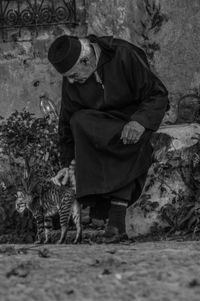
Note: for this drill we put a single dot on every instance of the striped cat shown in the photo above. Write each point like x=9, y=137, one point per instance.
x=51, y=200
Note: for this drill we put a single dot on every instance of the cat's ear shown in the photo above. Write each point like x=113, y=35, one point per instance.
x=19, y=194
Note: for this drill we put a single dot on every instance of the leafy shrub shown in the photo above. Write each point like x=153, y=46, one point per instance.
x=183, y=214
x=27, y=138
x=26, y=141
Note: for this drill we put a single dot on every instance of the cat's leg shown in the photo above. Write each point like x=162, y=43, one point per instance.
x=64, y=212
x=40, y=227
x=63, y=235
x=48, y=228
x=76, y=207
x=76, y=215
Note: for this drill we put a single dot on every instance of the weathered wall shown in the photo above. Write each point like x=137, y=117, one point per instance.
x=167, y=30
x=25, y=73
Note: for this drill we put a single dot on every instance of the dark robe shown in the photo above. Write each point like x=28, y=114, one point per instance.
x=92, y=118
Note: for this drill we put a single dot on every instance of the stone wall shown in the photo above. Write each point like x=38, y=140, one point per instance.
x=25, y=73
x=167, y=30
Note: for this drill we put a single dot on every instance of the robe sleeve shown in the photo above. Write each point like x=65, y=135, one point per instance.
x=149, y=92
x=66, y=141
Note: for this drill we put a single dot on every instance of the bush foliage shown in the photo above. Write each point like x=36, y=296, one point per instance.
x=25, y=139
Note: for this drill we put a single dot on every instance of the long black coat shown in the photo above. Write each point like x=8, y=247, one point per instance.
x=92, y=118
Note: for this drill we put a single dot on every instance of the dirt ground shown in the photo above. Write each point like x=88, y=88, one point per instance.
x=165, y=270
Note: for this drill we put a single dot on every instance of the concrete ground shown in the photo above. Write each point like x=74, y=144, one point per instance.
x=166, y=270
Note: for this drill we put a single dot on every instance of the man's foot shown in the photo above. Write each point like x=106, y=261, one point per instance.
x=112, y=235
x=115, y=231
x=117, y=215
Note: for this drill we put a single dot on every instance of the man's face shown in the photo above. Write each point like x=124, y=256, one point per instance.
x=80, y=72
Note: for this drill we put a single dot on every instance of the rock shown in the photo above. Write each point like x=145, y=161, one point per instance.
x=188, y=109
x=168, y=178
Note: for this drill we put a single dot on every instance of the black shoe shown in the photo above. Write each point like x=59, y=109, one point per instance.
x=112, y=235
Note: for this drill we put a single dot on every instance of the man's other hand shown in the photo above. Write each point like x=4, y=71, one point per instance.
x=62, y=177
x=132, y=132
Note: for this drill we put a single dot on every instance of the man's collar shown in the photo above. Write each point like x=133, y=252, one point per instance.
x=97, y=51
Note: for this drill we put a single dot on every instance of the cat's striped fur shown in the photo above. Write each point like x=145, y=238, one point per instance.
x=51, y=200
x=55, y=199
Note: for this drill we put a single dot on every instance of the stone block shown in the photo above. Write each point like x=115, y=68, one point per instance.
x=168, y=178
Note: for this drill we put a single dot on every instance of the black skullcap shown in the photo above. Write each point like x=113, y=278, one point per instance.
x=64, y=53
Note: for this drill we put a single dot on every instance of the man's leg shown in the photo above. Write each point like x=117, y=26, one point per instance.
x=119, y=204
x=116, y=228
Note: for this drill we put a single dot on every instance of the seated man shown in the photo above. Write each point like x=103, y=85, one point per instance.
x=111, y=104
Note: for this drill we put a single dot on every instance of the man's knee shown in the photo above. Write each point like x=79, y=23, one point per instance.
x=76, y=118
x=79, y=119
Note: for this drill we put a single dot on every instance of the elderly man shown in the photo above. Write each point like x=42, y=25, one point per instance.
x=111, y=104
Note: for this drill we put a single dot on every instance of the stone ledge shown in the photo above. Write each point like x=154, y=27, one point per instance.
x=168, y=177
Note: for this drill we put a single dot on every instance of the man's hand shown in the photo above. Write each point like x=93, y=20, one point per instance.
x=62, y=177
x=132, y=132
